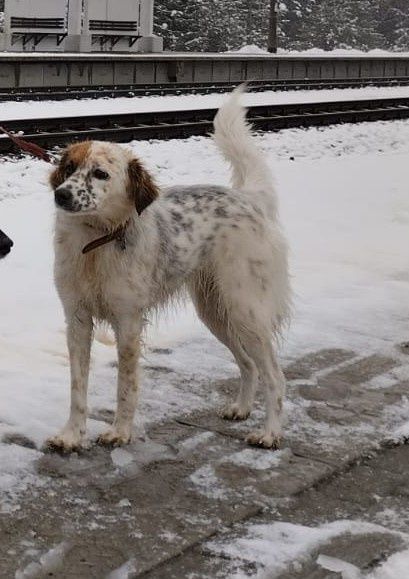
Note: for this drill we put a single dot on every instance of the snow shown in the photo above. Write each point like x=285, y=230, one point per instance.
x=278, y=547
x=121, y=457
x=169, y=536
x=395, y=567
x=86, y=107
x=345, y=207
x=318, y=52
x=347, y=570
x=208, y=484
x=16, y=459
x=46, y=565
x=343, y=52
x=251, y=51
x=258, y=460
x=193, y=442
x=124, y=571
x=401, y=433
x=248, y=49
x=124, y=503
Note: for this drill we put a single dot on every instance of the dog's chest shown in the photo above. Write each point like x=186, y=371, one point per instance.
x=115, y=282
x=98, y=279
x=108, y=280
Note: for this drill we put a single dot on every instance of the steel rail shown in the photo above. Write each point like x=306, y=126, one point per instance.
x=52, y=132
x=58, y=93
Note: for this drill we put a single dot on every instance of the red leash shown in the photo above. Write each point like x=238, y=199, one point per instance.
x=28, y=147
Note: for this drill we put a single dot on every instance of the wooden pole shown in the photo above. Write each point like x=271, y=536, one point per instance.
x=272, y=28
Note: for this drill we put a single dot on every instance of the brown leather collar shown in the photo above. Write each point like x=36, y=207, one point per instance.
x=116, y=235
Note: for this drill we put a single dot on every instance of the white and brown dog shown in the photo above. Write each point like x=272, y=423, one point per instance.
x=224, y=245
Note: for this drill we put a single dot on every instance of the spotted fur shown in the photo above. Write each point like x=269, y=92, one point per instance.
x=224, y=245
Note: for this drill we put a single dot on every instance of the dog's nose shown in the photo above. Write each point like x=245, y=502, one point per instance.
x=63, y=197
x=5, y=244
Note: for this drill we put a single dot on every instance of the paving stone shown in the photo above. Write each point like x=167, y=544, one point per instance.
x=339, y=403
x=325, y=427
x=305, y=367
x=161, y=498
x=174, y=499
x=363, y=370
x=19, y=439
x=367, y=492
x=364, y=551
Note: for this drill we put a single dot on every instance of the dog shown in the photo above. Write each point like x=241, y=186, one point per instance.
x=124, y=248
x=5, y=244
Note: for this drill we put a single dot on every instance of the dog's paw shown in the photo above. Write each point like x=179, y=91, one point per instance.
x=235, y=412
x=65, y=442
x=264, y=440
x=114, y=437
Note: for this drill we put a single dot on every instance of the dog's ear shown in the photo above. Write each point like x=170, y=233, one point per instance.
x=141, y=186
x=57, y=176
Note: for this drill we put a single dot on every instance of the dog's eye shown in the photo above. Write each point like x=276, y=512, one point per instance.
x=100, y=174
x=69, y=169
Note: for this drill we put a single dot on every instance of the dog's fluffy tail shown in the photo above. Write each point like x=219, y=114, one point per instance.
x=233, y=136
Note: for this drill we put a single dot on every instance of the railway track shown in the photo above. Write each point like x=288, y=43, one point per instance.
x=58, y=93
x=52, y=132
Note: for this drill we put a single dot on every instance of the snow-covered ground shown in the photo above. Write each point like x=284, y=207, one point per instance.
x=319, y=52
x=85, y=107
x=345, y=207
x=250, y=50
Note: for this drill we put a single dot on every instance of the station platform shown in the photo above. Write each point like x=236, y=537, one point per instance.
x=42, y=70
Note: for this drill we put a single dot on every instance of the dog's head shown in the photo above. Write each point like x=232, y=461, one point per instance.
x=102, y=179
x=5, y=244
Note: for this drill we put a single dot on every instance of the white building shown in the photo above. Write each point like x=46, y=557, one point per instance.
x=79, y=26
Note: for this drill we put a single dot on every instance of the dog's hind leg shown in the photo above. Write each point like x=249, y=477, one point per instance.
x=79, y=336
x=260, y=348
x=252, y=347
x=128, y=336
x=210, y=309
x=241, y=408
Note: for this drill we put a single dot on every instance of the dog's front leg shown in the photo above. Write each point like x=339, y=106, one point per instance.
x=79, y=337
x=128, y=336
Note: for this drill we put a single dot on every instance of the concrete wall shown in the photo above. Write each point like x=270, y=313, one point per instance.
x=94, y=70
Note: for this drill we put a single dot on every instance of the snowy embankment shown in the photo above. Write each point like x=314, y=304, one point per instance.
x=320, y=52
x=87, y=107
x=345, y=207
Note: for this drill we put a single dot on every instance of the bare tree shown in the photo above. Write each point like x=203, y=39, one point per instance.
x=272, y=28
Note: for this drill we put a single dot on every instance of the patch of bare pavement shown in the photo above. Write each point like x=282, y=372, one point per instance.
x=168, y=505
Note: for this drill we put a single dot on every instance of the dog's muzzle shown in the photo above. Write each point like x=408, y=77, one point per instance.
x=64, y=198
x=5, y=244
